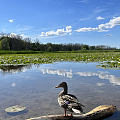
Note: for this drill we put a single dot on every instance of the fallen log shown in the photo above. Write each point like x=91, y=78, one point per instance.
x=98, y=113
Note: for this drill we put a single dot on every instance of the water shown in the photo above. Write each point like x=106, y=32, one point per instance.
x=34, y=87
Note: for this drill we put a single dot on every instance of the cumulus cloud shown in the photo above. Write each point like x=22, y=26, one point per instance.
x=100, y=18
x=11, y=20
x=58, y=32
x=112, y=23
x=14, y=35
x=102, y=27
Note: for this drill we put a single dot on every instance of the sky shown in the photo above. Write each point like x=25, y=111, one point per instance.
x=92, y=22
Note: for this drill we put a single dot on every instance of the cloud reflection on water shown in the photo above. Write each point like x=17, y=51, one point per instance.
x=102, y=75
x=63, y=73
x=13, y=84
x=69, y=74
x=100, y=84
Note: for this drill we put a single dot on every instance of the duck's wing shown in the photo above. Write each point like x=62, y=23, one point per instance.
x=70, y=98
x=72, y=103
x=67, y=99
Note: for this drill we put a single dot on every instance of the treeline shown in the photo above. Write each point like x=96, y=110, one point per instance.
x=17, y=43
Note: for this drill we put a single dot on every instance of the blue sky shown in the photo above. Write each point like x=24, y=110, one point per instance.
x=92, y=22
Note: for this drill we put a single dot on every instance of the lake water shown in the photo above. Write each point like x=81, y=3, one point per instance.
x=34, y=87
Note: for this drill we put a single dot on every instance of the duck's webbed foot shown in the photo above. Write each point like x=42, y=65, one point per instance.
x=65, y=113
x=70, y=115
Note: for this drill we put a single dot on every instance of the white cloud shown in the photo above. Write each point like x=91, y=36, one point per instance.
x=24, y=36
x=68, y=29
x=85, y=29
x=43, y=34
x=112, y=23
x=14, y=35
x=58, y=32
x=100, y=18
x=11, y=20
x=102, y=27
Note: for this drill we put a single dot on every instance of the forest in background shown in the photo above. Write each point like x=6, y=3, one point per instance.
x=18, y=43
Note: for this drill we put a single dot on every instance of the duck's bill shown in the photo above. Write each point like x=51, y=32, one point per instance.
x=56, y=86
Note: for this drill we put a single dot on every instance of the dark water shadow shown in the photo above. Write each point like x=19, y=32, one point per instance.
x=115, y=116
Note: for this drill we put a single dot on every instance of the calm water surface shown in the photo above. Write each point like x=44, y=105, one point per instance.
x=33, y=87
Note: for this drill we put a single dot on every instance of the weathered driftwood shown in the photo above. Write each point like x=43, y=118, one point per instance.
x=99, y=112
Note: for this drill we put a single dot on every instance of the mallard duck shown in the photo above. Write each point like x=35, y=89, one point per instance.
x=68, y=101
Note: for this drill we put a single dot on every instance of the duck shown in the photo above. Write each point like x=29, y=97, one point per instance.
x=68, y=102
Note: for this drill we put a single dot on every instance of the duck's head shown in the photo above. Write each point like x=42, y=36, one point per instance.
x=63, y=85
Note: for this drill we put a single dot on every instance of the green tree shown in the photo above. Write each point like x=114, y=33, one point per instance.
x=0, y=45
x=85, y=47
x=5, y=44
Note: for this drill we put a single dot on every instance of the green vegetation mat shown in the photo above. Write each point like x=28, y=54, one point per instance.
x=106, y=59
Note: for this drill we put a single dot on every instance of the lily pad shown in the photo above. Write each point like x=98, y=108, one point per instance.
x=15, y=109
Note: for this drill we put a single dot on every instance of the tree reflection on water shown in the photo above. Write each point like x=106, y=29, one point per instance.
x=14, y=68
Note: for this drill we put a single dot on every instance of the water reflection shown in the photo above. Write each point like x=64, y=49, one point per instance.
x=69, y=74
x=100, y=84
x=14, y=68
x=63, y=73
x=13, y=84
x=102, y=75
x=33, y=87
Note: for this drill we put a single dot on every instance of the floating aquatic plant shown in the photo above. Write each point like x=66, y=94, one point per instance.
x=111, y=59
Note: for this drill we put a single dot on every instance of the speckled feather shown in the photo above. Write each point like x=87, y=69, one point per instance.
x=68, y=101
